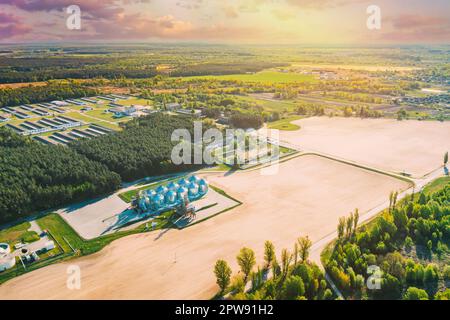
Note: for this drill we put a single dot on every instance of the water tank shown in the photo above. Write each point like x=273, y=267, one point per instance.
x=182, y=192
x=143, y=204
x=183, y=182
x=4, y=249
x=162, y=190
x=157, y=201
x=202, y=186
x=171, y=197
x=173, y=186
x=150, y=192
x=193, y=189
x=147, y=202
x=194, y=179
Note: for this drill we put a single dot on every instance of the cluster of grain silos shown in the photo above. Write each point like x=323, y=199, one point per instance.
x=172, y=194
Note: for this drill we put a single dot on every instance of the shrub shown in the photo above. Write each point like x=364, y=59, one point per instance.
x=30, y=236
x=414, y=293
x=293, y=288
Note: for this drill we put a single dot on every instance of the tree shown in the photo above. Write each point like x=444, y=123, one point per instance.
x=341, y=227
x=246, y=261
x=391, y=288
x=400, y=219
x=423, y=198
x=355, y=220
x=394, y=200
x=414, y=293
x=293, y=288
x=286, y=259
x=409, y=243
x=269, y=253
x=276, y=269
x=327, y=295
x=443, y=295
x=429, y=245
x=349, y=226
x=257, y=279
x=431, y=274
x=304, y=245
x=223, y=274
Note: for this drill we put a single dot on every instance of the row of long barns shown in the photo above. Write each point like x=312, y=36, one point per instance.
x=65, y=138
x=44, y=125
x=58, y=124
x=55, y=107
x=33, y=111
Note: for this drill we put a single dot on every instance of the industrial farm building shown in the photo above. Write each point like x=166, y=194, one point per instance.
x=7, y=261
x=171, y=195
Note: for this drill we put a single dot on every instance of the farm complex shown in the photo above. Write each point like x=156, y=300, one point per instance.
x=61, y=122
x=222, y=172
x=294, y=201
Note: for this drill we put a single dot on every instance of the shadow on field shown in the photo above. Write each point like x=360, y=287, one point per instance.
x=77, y=206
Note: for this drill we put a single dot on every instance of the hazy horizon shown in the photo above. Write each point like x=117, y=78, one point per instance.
x=291, y=22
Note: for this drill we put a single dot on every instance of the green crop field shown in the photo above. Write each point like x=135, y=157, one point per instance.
x=140, y=102
x=270, y=105
x=285, y=124
x=14, y=234
x=263, y=77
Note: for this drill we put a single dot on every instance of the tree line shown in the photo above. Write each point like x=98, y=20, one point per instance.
x=50, y=92
x=293, y=277
x=409, y=243
x=36, y=177
x=142, y=149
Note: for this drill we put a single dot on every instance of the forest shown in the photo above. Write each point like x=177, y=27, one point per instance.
x=109, y=63
x=409, y=243
x=142, y=149
x=293, y=277
x=36, y=177
x=36, y=94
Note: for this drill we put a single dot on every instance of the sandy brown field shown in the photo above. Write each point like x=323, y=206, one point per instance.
x=306, y=197
x=415, y=147
x=22, y=84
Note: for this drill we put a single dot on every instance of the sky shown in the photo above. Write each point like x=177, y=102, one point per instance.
x=228, y=21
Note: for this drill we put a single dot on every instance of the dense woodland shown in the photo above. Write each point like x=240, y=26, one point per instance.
x=37, y=94
x=36, y=177
x=409, y=243
x=293, y=277
x=137, y=64
x=142, y=149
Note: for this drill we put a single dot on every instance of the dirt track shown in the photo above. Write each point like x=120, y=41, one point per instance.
x=306, y=197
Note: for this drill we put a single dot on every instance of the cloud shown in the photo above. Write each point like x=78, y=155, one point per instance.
x=11, y=26
x=283, y=14
x=252, y=6
x=230, y=12
x=190, y=4
x=103, y=9
x=8, y=18
x=417, y=28
x=13, y=30
x=408, y=21
x=322, y=4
